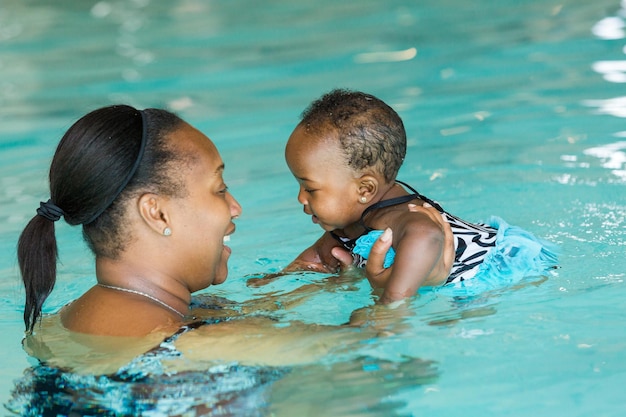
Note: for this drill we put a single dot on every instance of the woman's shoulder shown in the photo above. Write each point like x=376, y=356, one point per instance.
x=57, y=346
x=116, y=315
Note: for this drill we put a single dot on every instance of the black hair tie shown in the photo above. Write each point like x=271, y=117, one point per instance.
x=50, y=211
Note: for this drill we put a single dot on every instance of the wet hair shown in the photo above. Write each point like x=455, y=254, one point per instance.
x=370, y=133
x=107, y=157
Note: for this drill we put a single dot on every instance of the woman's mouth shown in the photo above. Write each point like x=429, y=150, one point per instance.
x=222, y=268
x=227, y=248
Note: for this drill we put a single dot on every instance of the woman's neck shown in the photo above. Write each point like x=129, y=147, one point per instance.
x=146, y=280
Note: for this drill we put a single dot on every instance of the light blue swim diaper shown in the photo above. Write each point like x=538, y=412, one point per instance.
x=516, y=255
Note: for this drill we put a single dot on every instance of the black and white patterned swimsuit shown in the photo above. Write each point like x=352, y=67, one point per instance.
x=472, y=242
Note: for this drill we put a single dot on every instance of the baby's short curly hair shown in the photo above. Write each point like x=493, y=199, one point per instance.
x=370, y=132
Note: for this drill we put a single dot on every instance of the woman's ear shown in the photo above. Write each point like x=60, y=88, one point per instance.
x=368, y=187
x=154, y=212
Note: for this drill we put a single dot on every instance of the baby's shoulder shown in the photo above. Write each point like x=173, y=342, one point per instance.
x=400, y=215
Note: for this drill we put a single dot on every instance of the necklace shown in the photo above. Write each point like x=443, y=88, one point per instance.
x=112, y=287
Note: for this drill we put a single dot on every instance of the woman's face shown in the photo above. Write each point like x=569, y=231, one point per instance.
x=204, y=214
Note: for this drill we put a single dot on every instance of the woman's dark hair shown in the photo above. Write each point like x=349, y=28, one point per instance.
x=369, y=131
x=95, y=158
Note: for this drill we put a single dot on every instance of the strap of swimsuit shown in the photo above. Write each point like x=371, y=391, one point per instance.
x=422, y=197
x=396, y=201
x=387, y=203
x=383, y=204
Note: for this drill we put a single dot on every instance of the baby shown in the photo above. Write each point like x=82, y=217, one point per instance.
x=345, y=155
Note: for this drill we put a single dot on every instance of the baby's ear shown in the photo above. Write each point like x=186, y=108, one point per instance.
x=368, y=187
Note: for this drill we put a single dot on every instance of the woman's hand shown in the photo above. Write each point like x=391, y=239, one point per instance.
x=448, y=247
x=374, y=270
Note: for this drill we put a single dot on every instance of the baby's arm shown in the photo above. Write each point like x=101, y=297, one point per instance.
x=317, y=257
x=424, y=247
x=419, y=248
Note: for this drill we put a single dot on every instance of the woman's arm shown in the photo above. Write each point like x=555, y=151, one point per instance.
x=316, y=258
x=259, y=341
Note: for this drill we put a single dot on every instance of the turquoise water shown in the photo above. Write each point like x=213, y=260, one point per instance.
x=514, y=109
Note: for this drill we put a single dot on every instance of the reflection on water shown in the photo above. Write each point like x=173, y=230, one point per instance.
x=348, y=389
x=615, y=106
x=612, y=156
x=222, y=391
x=386, y=56
x=609, y=28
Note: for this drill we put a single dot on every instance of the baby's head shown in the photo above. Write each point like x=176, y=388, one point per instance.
x=368, y=131
x=346, y=150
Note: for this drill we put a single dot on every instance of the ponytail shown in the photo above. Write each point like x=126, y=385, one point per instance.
x=99, y=162
x=37, y=257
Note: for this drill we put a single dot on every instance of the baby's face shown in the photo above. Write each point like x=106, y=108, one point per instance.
x=329, y=189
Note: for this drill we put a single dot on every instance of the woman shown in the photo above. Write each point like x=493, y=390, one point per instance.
x=148, y=190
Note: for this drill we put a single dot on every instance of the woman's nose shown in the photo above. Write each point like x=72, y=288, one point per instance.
x=235, y=207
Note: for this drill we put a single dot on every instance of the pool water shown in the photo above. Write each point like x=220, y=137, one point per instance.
x=512, y=108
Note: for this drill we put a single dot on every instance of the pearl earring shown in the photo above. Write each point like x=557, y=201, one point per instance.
x=363, y=200
x=167, y=231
